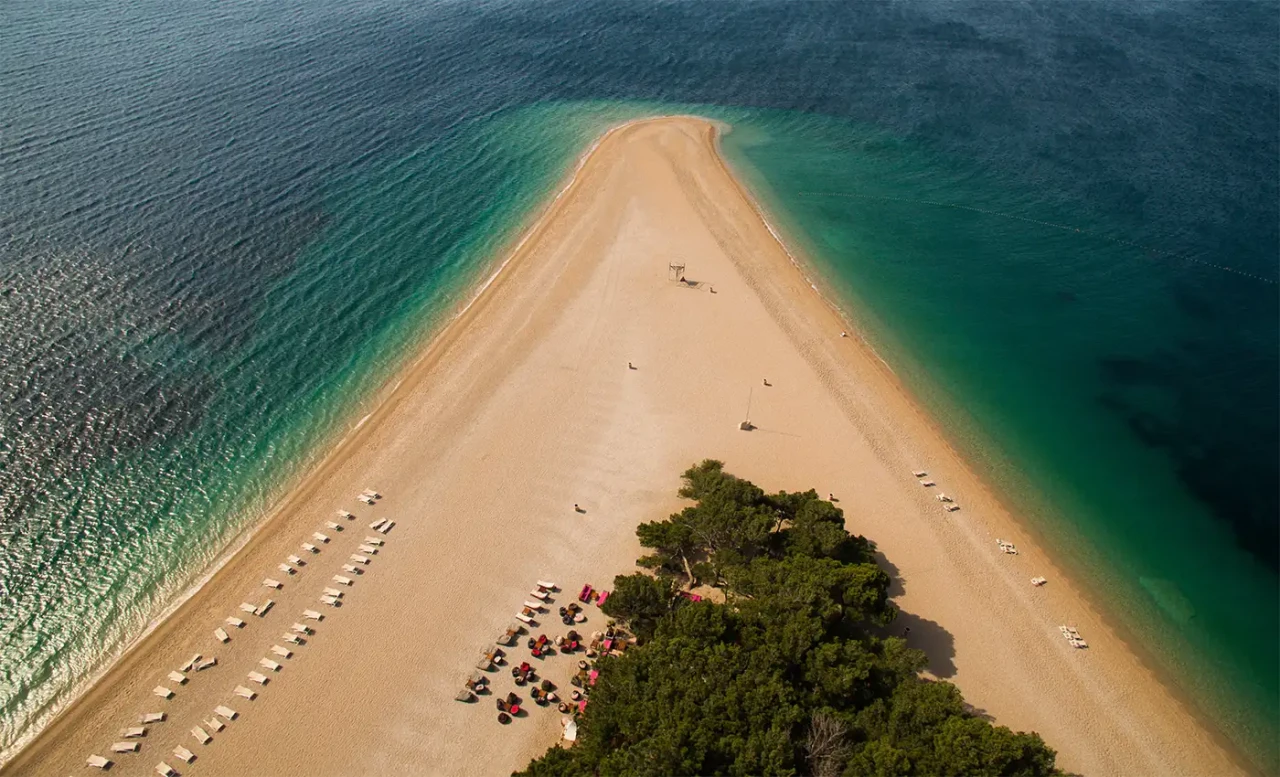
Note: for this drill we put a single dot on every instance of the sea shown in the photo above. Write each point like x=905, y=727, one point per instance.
x=224, y=226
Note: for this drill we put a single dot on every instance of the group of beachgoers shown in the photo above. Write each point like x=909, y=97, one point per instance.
x=543, y=692
x=296, y=636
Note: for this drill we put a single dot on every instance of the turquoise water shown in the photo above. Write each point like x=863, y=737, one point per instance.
x=223, y=228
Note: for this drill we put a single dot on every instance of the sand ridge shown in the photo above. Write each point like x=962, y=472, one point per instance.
x=524, y=406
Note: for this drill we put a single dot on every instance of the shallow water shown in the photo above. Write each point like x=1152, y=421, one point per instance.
x=222, y=227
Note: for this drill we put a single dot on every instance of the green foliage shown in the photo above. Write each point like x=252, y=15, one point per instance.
x=790, y=676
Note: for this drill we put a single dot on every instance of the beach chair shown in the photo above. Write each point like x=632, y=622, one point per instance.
x=535, y=606
x=951, y=508
x=285, y=568
x=272, y=583
x=183, y=754
x=360, y=559
x=585, y=594
x=526, y=619
x=190, y=663
x=235, y=622
x=205, y=664
x=332, y=601
x=333, y=525
x=312, y=615
x=352, y=569
x=292, y=639
x=346, y=515
x=213, y=724
x=372, y=551
x=944, y=498
x=464, y=695
x=928, y=483
x=245, y=693
x=201, y=735
x=298, y=628
x=221, y=635
x=151, y=717
x=267, y=663
x=249, y=608
x=333, y=592
x=266, y=608
x=258, y=677
x=920, y=473
x=377, y=524
x=126, y=747
x=366, y=499
x=375, y=541
x=340, y=580
x=162, y=692
x=1039, y=581
x=137, y=732
x=546, y=585
x=282, y=652
x=226, y=712
x=178, y=677
x=604, y=595
x=98, y=762
x=295, y=561
x=165, y=770
x=536, y=594
x=388, y=526
x=322, y=538
x=308, y=547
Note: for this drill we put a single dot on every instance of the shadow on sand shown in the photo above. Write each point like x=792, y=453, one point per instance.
x=921, y=633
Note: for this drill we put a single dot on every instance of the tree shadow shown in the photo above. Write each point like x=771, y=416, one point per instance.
x=938, y=645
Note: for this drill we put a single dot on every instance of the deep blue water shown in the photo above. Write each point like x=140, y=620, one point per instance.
x=221, y=225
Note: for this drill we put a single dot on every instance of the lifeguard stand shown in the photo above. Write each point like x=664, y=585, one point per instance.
x=675, y=271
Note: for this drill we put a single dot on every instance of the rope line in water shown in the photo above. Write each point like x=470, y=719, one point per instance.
x=1050, y=224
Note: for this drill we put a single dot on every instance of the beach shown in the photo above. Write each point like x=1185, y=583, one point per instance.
x=526, y=405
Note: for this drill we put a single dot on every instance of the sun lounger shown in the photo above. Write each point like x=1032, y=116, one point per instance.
x=292, y=639
x=298, y=628
x=226, y=712
x=137, y=732
x=378, y=524
x=201, y=735
x=375, y=541
x=205, y=664
x=245, y=693
x=333, y=592
x=258, y=677
x=165, y=770
x=271, y=583
x=295, y=561
x=190, y=663
x=249, y=608
x=126, y=747
x=183, y=754
x=944, y=498
x=267, y=663
x=313, y=615
x=366, y=499
x=320, y=537
x=372, y=551
x=464, y=695
x=360, y=559
x=332, y=601
x=151, y=717
x=285, y=568
x=345, y=514
x=308, y=547
x=162, y=692
x=353, y=569
x=536, y=594
x=547, y=585
x=214, y=724
x=98, y=761
x=928, y=483
x=920, y=473
x=340, y=580
x=266, y=607
x=525, y=618
x=333, y=525
x=178, y=677
x=1039, y=581
x=951, y=508
x=604, y=596
x=585, y=594
x=282, y=652
x=239, y=624
x=388, y=526
x=535, y=606
x=221, y=635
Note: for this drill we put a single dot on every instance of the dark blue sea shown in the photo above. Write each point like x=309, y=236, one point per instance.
x=224, y=225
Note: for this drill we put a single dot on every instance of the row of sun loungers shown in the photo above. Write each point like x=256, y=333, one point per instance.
x=1007, y=547
x=1073, y=637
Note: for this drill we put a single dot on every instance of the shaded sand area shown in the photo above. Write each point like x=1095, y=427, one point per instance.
x=524, y=406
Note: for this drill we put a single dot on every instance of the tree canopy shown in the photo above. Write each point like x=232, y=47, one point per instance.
x=792, y=675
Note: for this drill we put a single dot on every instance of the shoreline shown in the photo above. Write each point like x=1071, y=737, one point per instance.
x=446, y=341
x=1094, y=599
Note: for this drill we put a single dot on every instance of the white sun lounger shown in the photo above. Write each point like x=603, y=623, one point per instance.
x=245, y=693
x=249, y=608
x=285, y=568
x=190, y=663
x=366, y=499
x=226, y=712
x=340, y=580
x=944, y=498
x=1039, y=581
x=372, y=551
x=266, y=607
x=333, y=592
x=201, y=735
x=352, y=569
x=272, y=583
x=267, y=663
x=320, y=537
x=178, y=677
x=313, y=615
x=165, y=770
x=920, y=473
x=378, y=541
x=372, y=493
x=258, y=677
x=214, y=724
x=221, y=635
x=524, y=618
x=151, y=717
x=292, y=639
x=307, y=546
x=377, y=524
x=282, y=652
x=298, y=628
x=295, y=561
x=951, y=508
x=344, y=514
x=928, y=483
x=387, y=527
x=359, y=559
x=536, y=594
x=333, y=525
x=183, y=754
x=547, y=585
x=332, y=601
x=162, y=692
x=239, y=624
x=126, y=747
x=134, y=733
x=98, y=761
x=536, y=606
x=205, y=664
